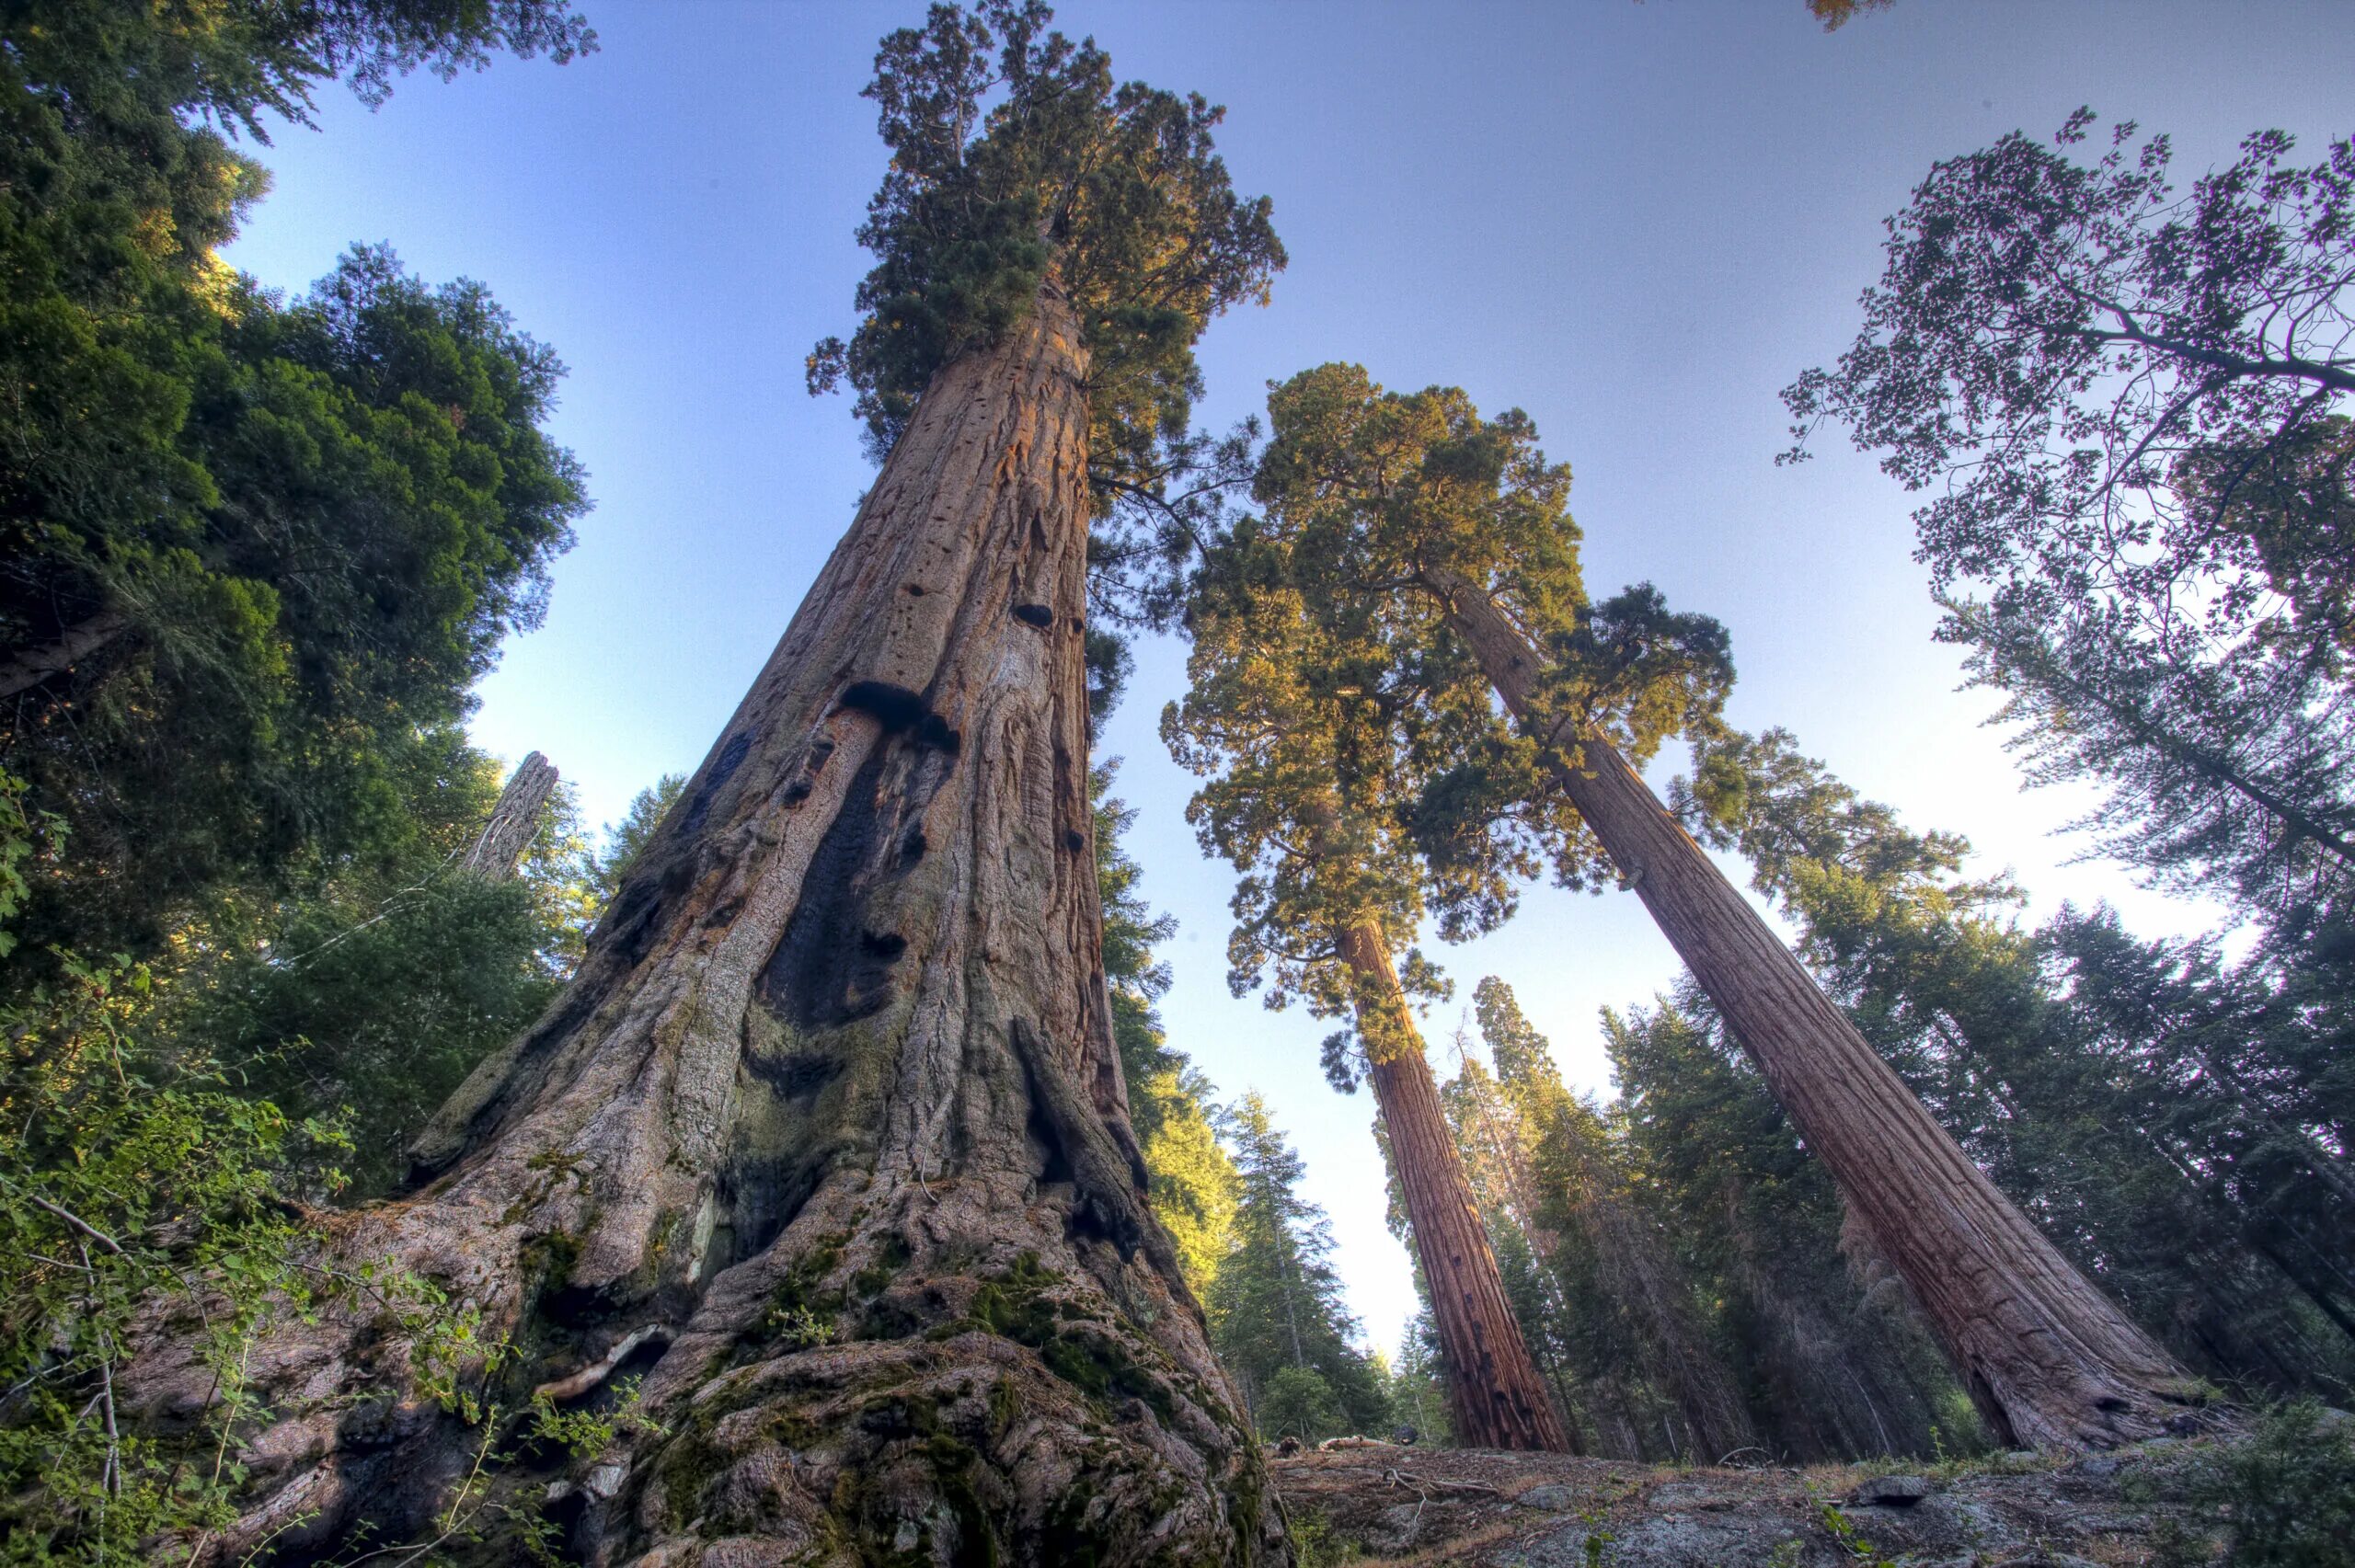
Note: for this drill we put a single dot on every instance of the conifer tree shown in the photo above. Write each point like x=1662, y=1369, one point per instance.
x=1633, y=1300
x=1310, y=766
x=1833, y=1361
x=1451, y=532
x=2124, y=1101
x=828, y=1135
x=1190, y=1180
x=1277, y=1315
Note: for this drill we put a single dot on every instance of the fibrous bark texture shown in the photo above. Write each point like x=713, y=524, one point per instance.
x=494, y=856
x=2051, y=1362
x=1496, y=1399
x=828, y=1139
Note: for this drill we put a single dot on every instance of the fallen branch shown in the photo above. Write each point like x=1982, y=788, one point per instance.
x=565, y=1389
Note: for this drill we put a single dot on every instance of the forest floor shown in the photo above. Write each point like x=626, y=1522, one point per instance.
x=1380, y=1504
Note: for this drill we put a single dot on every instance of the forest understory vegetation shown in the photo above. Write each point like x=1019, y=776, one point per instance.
x=392, y=1167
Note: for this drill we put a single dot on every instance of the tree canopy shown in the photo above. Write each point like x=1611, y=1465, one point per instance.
x=2133, y=400
x=255, y=549
x=1015, y=157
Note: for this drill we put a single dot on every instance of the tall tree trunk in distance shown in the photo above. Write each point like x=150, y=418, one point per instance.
x=495, y=854
x=1659, y=1299
x=1495, y=1396
x=2051, y=1362
x=828, y=1137
x=1520, y=1201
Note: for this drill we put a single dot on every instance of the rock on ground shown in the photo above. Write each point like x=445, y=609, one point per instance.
x=1380, y=1503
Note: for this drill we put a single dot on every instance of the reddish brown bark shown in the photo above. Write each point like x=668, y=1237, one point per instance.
x=1495, y=1398
x=828, y=1137
x=2051, y=1363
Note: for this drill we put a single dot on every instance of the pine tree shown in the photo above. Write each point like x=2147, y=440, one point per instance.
x=1636, y=1308
x=1277, y=1315
x=830, y=1126
x=1834, y=1362
x=2116, y=1090
x=1450, y=530
x=1191, y=1181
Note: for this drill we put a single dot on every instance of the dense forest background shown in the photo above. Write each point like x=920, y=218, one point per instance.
x=263, y=546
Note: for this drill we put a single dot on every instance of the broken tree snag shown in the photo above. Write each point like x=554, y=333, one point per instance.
x=501, y=846
x=1495, y=1396
x=820, y=1102
x=2051, y=1363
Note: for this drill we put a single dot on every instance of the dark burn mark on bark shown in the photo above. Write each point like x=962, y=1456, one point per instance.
x=912, y=846
x=793, y=1077
x=760, y=1198
x=1036, y=615
x=1074, y=840
x=900, y=712
x=823, y=973
x=731, y=757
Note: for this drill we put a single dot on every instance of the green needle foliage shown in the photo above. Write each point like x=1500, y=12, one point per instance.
x=1015, y=157
x=1190, y=1179
x=1277, y=1317
x=2170, y=1120
x=253, y=549
x=1375, y=502
x=1360, y=770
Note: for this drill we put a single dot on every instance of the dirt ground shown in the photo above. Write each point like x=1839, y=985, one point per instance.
x=1378, y=1503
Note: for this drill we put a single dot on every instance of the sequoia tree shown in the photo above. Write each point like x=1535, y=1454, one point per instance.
x=1456, y=527
x=827, y=1140
x=1310, y=766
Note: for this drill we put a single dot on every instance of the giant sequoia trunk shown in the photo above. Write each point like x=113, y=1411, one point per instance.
x=2049, y=1361
x=1495, y=1396
x=828, y=1138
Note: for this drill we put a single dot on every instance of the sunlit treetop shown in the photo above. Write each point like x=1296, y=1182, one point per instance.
x=1359, y=766
x=1313, y=748
x=1387, y=503
x=1015, y=155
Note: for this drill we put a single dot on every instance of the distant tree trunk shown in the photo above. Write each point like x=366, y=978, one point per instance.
x=1495, y=1396
x=1654, y=1292
x=513, y=821
x=79, y=642
x=1521, y=1210
x=828, y=1137
x=2049, y=1361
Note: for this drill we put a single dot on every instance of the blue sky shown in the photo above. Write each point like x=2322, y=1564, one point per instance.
x=1635, y=220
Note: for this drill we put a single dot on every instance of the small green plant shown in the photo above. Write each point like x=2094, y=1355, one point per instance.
x=1788, y=1552
x=799, y=1328
x=2283, y=1496
x=585, y=1434
x=1316, y=1544
x=1844, y=1534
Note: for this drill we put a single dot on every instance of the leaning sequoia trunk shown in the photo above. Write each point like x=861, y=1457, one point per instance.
x=828, y=1140
x=2050, y=1363
x=1495, y=1398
